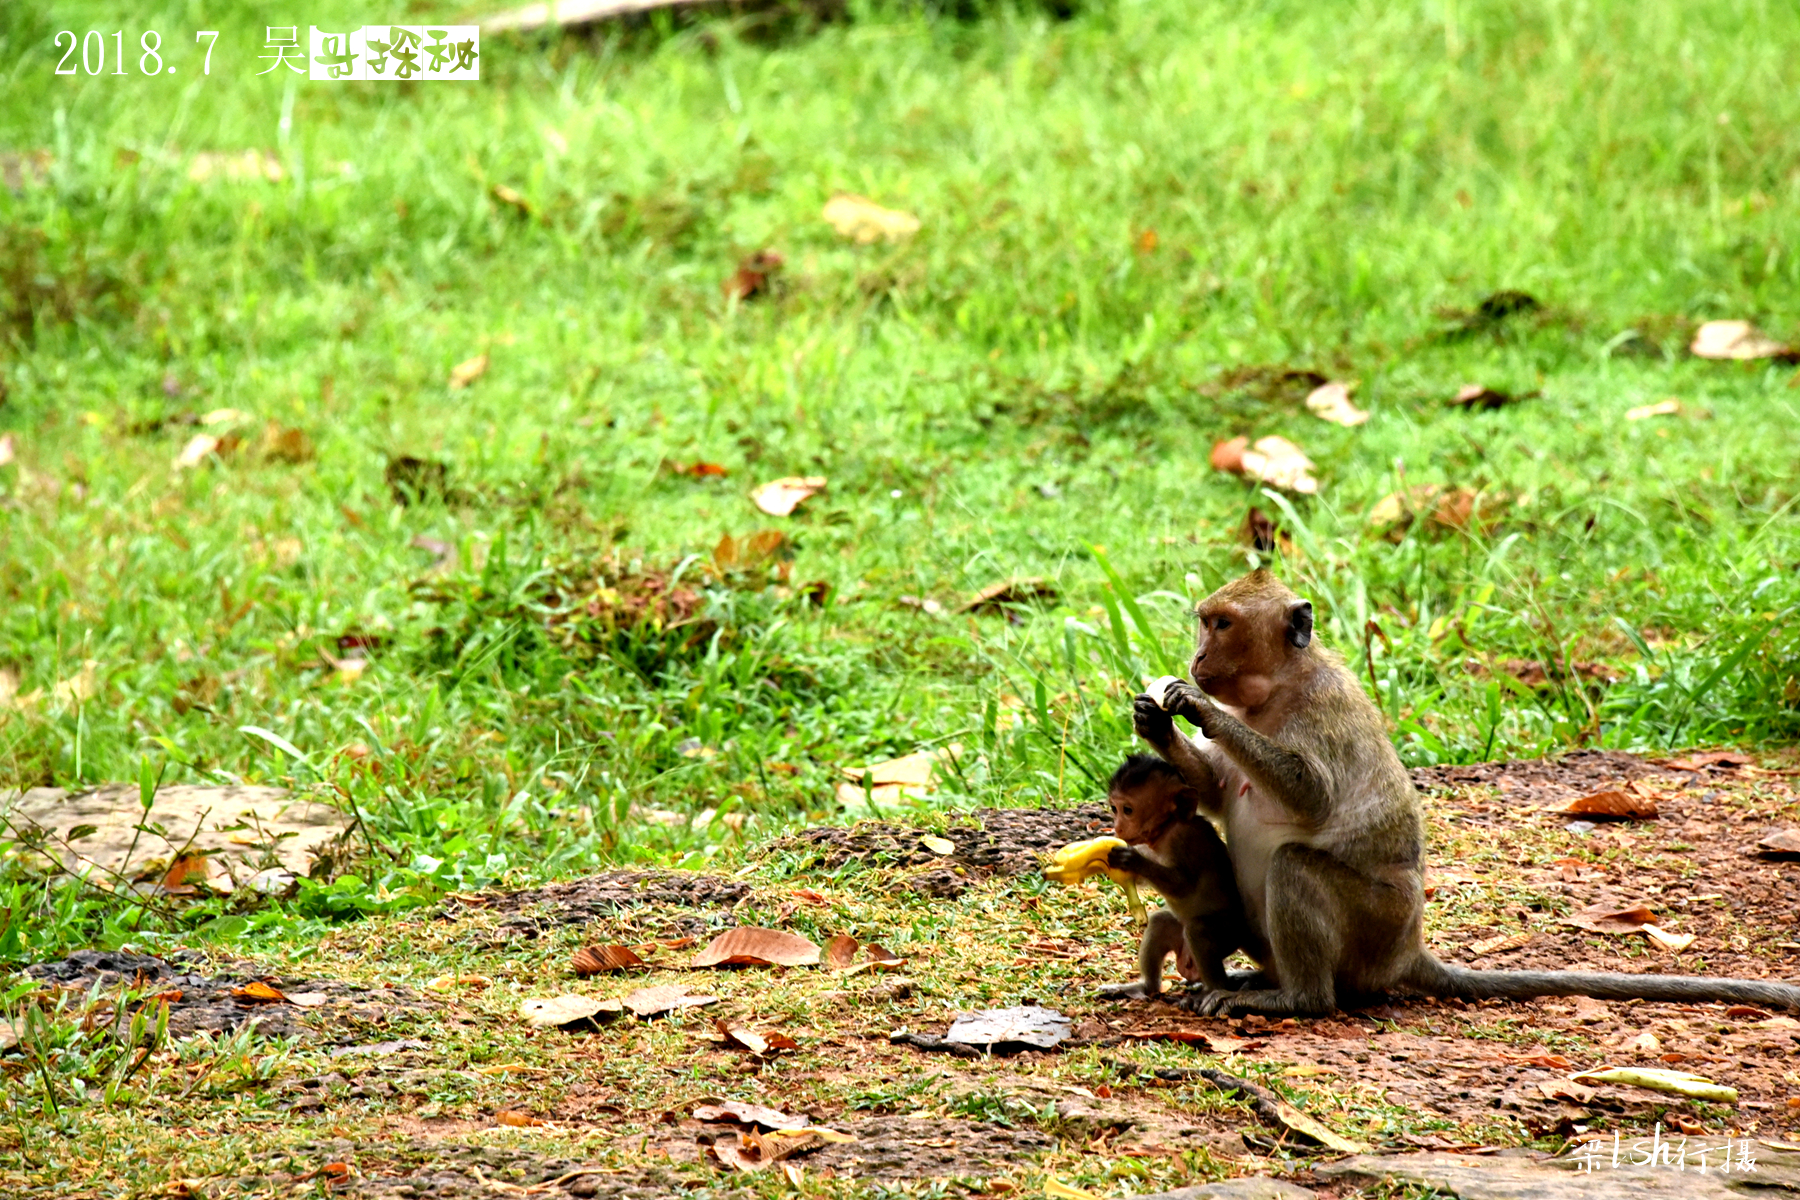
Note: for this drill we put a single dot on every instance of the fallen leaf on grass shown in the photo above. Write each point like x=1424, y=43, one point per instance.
x=593, y=960
x=699, y=469
x=654, y=1001
x=743, y=1113
x=1478, y=398
x=753, y=1150
x=864, y=221
x=568, y=1011
x=749, y=945
x=449, y=983
x=1735, y=340
x=1784, y=843
x=517, y=1119
x=1307, y=1127
x=284, y=444
x=745, y=1038
x=995, y=596
x=937, y=845
x=189, y=868
x=780, y=497
x=751, y=550
x=202, y=446
x=1272, y=460
x=1550, y=1062
x=840, y=951
x=512, y=198
x=1030, y=1024
x=1660, y=1079
x=1639, y=919
x=302, y=999
x=752, y=276
x=1662, y=408
x=879, y=959
x=1331, y=402
x=1056, y=1189
x=1611, y=805
x=1499, y=943
x=258, y=992
x=468, y=371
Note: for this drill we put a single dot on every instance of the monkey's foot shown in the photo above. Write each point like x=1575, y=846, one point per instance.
x=1126, y=991
x=1267, y=1001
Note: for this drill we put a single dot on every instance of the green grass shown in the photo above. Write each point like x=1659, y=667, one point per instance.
x=1021, y=389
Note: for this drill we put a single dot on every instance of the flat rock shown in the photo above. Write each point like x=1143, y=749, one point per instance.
x=244, y=825
x=1480, y=1177
x=1238, y=1189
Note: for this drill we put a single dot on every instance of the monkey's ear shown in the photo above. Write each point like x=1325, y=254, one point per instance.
x=1300, y=624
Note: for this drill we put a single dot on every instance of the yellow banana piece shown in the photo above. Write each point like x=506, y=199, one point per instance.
x=1080, y=861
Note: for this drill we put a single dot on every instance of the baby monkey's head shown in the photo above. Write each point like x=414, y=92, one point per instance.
x=1147, y=795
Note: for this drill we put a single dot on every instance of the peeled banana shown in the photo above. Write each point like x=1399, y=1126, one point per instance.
x=1080, y=861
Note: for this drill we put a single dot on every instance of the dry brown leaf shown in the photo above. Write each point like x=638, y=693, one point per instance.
x=840, y=951
x=1544, y=1059
x=1638, y=919
x=509, y=196
x=1662, y=408
x=741, y=1036
x=558, y=1012
x=468, y=371
x=1783, y=843
x=750, y=945
x=1500, y=943
x=995, y=596
x=1729, y=759
x=864, y=221
x=913, y=770
x=1331, y=402
x=1735, y=340
x=187, y=869
x=592, y=960
x=197, y=450
x=780, y=497
x=1272, y=460
x=751, y=550
x=654, y=1001
x=742, y=1113
x=1612, y=805
x=516, y=1118
x=752, y=276
x=258, y=992
x=699, y=469
x=1477, y=398
x=284, y=444
x=811, y=896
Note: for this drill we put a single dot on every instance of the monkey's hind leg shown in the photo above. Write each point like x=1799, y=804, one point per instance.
x=1162, y=937
x=1320, y=913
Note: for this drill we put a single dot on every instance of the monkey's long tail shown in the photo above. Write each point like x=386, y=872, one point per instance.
x=1431, y=977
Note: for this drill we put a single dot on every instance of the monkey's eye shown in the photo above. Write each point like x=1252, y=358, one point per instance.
x=1125, y=812
x=1222, y=624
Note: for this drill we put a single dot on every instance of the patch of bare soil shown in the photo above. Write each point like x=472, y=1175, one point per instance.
x=434, y=1170
x=532, y=911
x=1001, y=842
x=202, y=1001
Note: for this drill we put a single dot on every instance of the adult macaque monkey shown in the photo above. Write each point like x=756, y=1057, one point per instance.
x=1324, y=828
x=1176, y=851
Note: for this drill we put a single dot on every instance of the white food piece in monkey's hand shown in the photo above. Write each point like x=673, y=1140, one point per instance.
x=1158, y=690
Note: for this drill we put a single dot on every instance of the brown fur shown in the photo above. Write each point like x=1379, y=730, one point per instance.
x=1324, y=828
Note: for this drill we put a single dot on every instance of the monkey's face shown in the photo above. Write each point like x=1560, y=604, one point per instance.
x=1241, y=647
x=1141, y=815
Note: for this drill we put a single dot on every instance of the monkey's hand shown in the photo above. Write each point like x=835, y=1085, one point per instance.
x=1150, y=722
x=1186, y=700
x=1126, y=859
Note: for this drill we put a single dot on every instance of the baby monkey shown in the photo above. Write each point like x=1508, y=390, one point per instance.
x=1175, y=850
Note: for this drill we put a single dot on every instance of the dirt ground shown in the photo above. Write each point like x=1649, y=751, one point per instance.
x=437, y=1089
